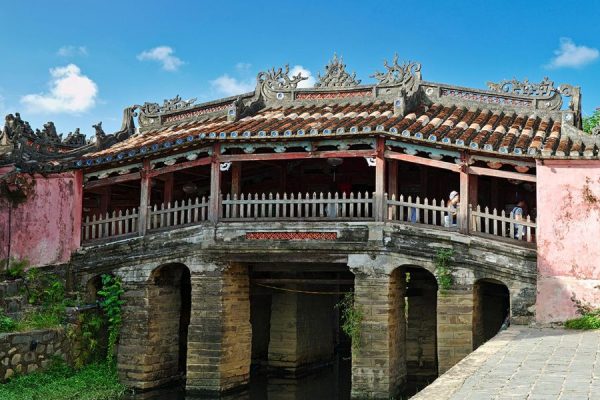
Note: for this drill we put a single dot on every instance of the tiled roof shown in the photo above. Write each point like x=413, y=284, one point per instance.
x=513, y=119
x=475, y=128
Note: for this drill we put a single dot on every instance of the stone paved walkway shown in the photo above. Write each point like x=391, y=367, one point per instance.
x=525, y=363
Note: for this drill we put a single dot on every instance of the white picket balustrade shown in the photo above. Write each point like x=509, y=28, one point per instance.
x=179, y=213
x=500, y=224
x=297, y=206
x=115, y=224
x=420, y=211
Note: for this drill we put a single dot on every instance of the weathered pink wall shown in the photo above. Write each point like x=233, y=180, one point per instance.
x=568, y=201
x=47, y=227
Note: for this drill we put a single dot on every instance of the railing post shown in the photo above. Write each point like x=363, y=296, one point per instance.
x=468, y=195
x=379, y=209
x=214, y=206
x=144, y=198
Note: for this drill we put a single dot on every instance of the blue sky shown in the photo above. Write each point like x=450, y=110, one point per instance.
x=80, y=62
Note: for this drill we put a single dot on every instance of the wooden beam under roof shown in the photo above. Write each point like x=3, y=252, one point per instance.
x=497, y=173
x=297, y=155
x=393, y=155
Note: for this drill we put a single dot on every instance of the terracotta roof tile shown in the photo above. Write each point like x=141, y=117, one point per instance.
x=506, y=132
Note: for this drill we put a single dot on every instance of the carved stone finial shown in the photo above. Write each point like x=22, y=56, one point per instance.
x=407, y=75
x=336, y=75
x=279, y=79
x=272, y=83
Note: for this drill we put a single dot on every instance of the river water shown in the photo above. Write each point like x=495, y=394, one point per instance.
x=329, y=383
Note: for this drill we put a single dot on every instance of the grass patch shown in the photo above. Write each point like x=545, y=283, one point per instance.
x=587, y=321
x=61, y=382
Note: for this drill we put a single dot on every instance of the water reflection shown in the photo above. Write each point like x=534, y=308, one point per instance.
x=331, y=382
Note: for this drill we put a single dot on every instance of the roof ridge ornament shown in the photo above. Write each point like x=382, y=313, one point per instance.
x=407, y=75
x=525, y=88
x=547, y=96
x=279, y=79
x=336, y=75
x=148, y=112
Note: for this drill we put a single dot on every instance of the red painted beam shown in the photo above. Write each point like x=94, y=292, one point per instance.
x=421, y=160
x=112, y=180
x=180, y=166
x=502, y=174
x=298, y=155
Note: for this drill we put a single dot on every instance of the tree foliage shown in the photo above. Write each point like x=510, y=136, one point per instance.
x=591, y=121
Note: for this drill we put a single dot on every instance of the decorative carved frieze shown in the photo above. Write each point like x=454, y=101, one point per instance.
x=274, y=235
x=149, y=113
x=544, y=88
x=407, y=75
x=484, y=98
x=336, y=75
x=545, y=94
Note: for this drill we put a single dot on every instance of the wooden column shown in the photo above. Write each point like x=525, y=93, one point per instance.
x=379, y=180
x=463, y=206
x=473, y=190
x=236, y=178
x=168, y=194
x=214, y=209
x=105, y=200
x=392, y=178
x=144, y=198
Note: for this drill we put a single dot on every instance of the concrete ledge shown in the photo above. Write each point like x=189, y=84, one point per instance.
x=447, y=384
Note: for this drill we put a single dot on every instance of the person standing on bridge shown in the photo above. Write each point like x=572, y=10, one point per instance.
x=450, y=219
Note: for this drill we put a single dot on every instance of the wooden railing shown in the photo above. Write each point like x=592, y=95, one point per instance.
x=117, y=224
x=178, y=214
x=500, y=224
x=297, y=207
x=421, y=211
x=306, y=207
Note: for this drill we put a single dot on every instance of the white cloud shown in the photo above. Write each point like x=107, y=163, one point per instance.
x=70, y=92
x=164, y=55
x=229, y=86
x=570, y=55
x=70, y=51
x=307, y=83
x=242, y=66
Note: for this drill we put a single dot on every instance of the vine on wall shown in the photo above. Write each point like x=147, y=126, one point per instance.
x=443, y=269
x=352, y=317
x=111, y=303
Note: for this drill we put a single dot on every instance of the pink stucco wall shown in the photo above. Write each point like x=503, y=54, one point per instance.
x=47, y=227
x=568, y=202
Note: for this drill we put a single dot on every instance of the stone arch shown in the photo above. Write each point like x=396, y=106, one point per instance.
x=421, y=325
x=491, y=309
x=169, y=308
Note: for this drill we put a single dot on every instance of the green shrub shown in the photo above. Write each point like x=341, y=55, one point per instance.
x=7, y=324
x=15, y=268
x=587, y=321
x=111, y=303
x=352, y=317
x=443, y=270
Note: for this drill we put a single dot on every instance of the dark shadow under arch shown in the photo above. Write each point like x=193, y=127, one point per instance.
x=491, y=309
x=421, y=325
x=169, y=296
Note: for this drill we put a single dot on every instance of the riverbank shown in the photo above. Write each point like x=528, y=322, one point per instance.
x=61, y=382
